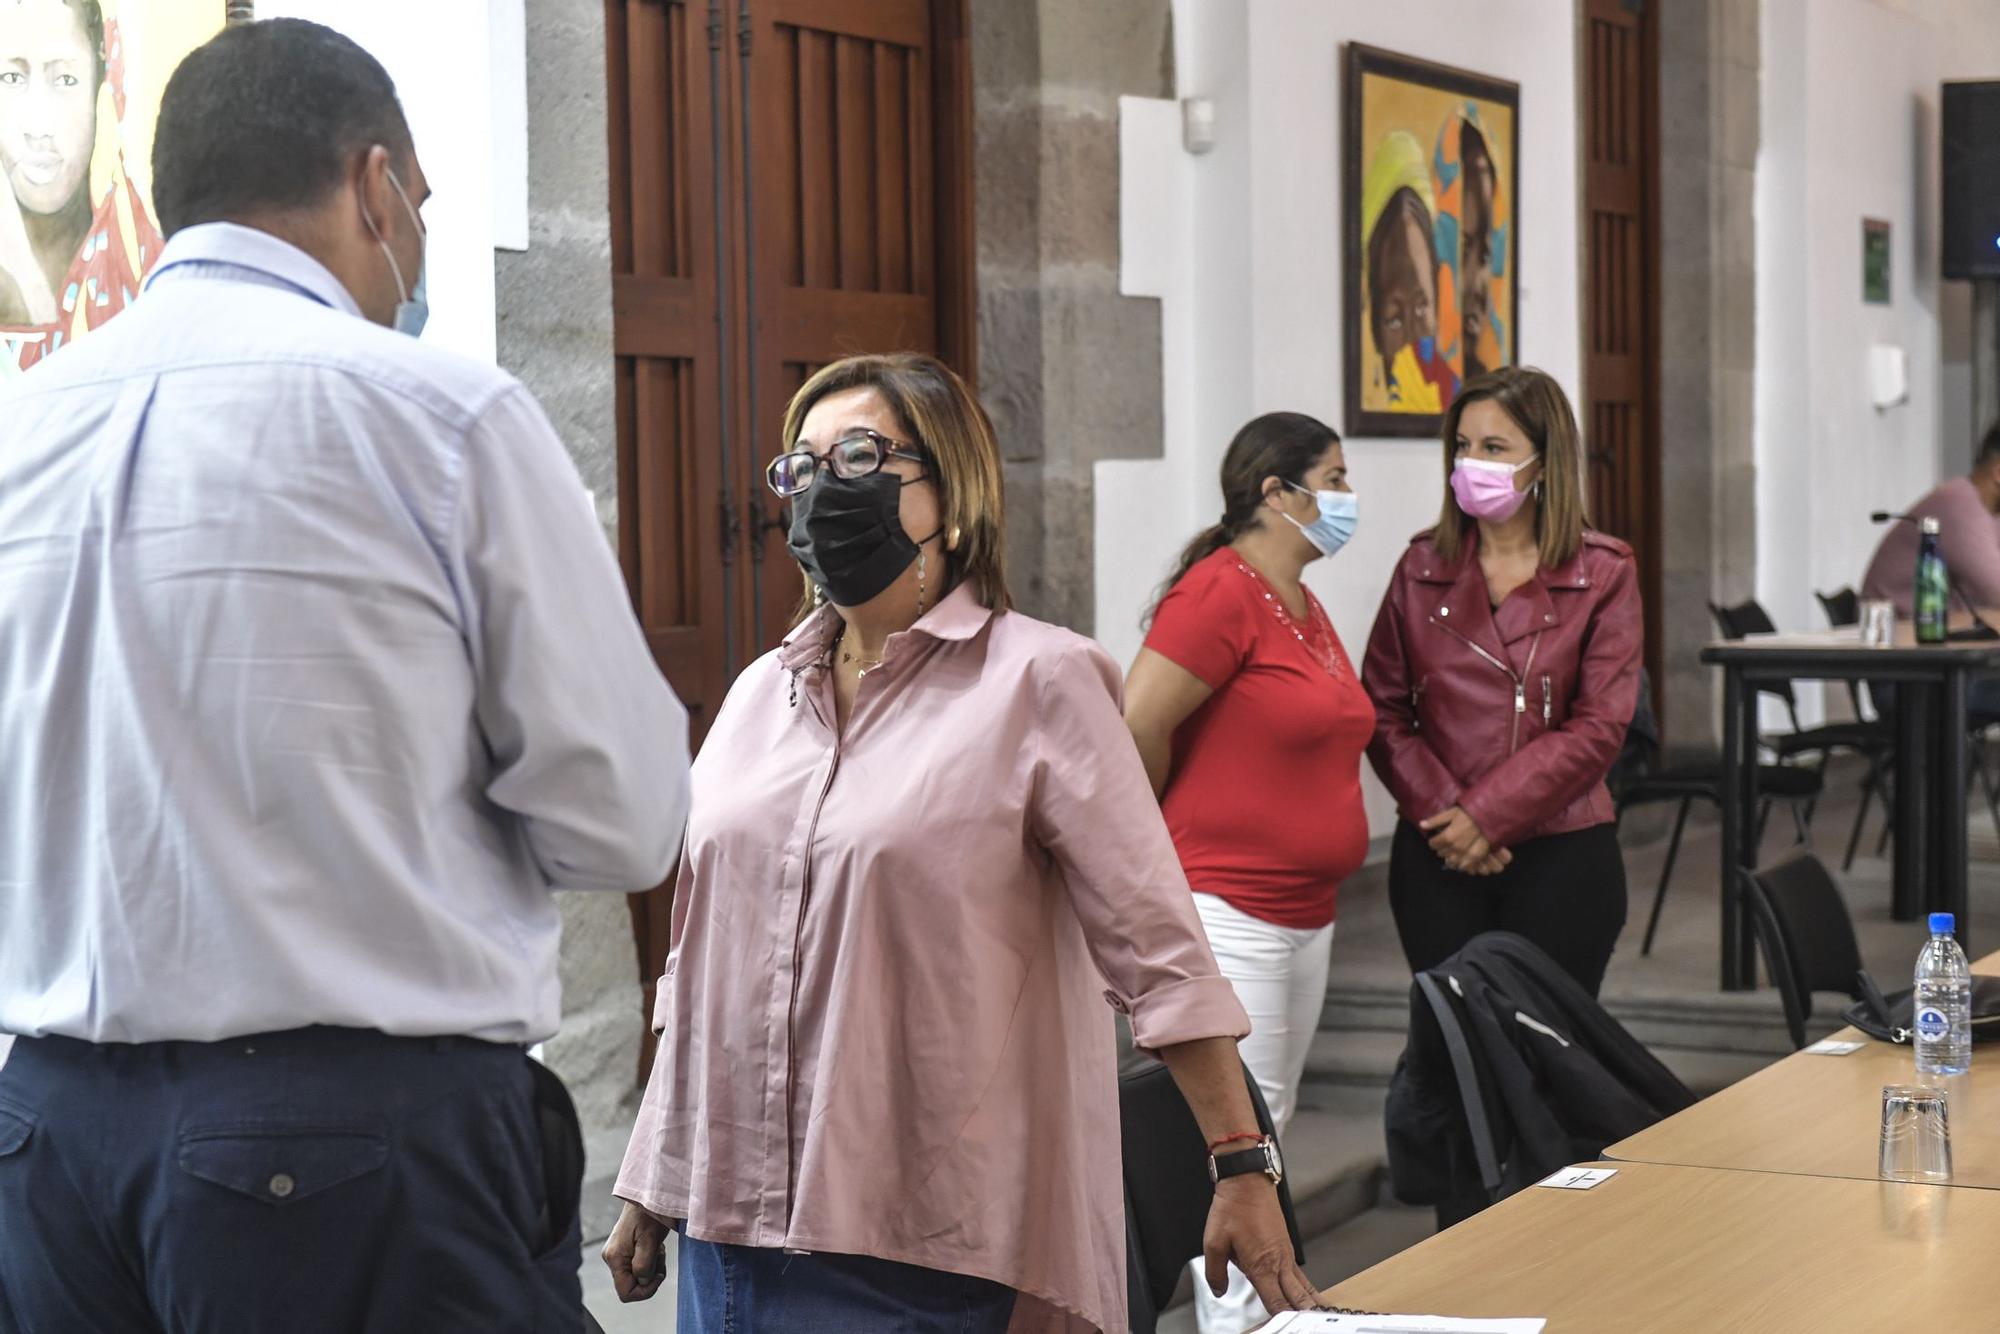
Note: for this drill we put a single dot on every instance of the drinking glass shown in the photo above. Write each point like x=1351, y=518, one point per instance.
x=1878, y=623
x=1916, y=1134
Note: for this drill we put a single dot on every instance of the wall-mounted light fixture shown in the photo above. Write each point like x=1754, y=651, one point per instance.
x=1197, y=124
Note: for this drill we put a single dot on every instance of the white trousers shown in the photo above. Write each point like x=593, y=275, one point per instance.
x=1279, y=973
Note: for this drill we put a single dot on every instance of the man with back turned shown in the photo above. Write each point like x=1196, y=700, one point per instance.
x=316, y=677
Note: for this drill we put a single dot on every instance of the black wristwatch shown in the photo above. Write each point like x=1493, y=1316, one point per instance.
x=1259, y=1157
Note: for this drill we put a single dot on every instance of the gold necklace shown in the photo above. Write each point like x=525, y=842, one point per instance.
x=848, y=658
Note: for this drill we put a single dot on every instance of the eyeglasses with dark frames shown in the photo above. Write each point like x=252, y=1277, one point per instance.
x=856, y=454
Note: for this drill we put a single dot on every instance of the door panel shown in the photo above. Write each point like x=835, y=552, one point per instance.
x=842, y=223
x=781, y=195
x=668, y=399
x=1620, y=418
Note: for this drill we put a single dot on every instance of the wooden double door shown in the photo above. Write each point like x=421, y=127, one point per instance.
x=790, y=184
x=1620, y=416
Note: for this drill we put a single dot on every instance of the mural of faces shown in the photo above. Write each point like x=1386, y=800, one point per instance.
x=49, y=77
x=1402, y=265
x=1429, y=237
x=1476, y=244
x=51, y=67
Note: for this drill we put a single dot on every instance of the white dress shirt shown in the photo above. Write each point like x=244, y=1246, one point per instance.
x=316, y=675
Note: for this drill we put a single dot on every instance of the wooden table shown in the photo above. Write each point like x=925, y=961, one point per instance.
x=1822, y=1115
x=1689, y=1248
x=1931, y=770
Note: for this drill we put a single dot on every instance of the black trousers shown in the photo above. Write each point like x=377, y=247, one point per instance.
x=1564, y=892
x=320, y=1181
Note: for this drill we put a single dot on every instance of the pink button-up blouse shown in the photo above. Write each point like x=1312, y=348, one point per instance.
x=882, y=1023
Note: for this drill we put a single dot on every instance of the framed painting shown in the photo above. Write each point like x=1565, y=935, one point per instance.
x=80, y=86
x=1430, y=230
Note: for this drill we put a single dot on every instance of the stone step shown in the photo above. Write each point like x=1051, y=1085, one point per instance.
x=1359, y=1057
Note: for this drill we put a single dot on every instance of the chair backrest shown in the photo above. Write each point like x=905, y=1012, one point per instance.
x=1167, y=1190
x=1842, y=607
x=1807, y=934
x=1640, y=752
x=1750, y=618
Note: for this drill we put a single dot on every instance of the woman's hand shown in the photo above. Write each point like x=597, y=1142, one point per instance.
x=1456, y=839
x=635, y=1253
x=1246, y=1225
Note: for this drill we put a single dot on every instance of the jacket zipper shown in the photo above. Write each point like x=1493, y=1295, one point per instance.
x=1520, y=682
x=1547, y=707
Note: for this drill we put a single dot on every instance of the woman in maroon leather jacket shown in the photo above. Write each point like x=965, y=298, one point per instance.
x=1504, y=667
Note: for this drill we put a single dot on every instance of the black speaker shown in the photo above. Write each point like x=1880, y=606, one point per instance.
x=1970, y=179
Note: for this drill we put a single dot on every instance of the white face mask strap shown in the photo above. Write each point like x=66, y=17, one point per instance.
x=395, y=269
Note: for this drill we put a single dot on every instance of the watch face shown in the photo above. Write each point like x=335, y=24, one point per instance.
x=1276, y=1171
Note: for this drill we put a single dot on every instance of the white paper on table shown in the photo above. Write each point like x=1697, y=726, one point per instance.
x=1327, y=1322
x=1832, y=1047
x=1579, y=1178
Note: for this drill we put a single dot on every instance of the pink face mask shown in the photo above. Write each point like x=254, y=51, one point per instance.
x=1485, y=489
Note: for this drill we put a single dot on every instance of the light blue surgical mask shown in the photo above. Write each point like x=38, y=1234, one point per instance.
x=1339, y=514
x=414, y=308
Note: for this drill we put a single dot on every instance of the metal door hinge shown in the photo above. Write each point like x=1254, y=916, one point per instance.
x=732, y=526
x=763, y=522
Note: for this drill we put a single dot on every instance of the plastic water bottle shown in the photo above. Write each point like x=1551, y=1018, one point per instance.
x=1933, y=591
x=1942, y=1003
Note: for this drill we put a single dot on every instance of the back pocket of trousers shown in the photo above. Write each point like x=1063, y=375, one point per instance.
x=279, y=1164
x=16, y=1129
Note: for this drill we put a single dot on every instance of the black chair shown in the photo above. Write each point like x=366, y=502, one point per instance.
x=1637, y=781
x=1864, y=737
x=1167, y=1190
x=1843, y=608
x=1806, y=933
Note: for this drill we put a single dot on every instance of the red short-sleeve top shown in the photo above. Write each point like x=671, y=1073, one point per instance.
x=1264, y=801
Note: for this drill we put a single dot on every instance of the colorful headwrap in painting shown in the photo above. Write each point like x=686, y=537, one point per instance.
x=1417, y=377
x=1473, y=238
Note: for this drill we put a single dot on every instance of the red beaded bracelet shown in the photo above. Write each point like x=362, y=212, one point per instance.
x=1231, y=1139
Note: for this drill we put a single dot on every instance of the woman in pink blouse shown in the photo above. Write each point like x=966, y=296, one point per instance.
x=921, y=844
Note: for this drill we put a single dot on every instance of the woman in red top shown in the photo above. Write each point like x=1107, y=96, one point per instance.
x=1252, y=724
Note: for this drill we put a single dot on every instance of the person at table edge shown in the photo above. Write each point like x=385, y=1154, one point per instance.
x=1968, y=537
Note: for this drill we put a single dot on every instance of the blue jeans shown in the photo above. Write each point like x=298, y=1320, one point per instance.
x=751, y=1290
x=321, y=1181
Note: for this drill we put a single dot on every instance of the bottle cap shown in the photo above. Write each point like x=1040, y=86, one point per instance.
x=1930, y=525
x=1942, y=923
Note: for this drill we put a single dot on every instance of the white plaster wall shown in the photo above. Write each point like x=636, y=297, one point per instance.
x=1849, y=110
x=439, y=53
x=1242, y=246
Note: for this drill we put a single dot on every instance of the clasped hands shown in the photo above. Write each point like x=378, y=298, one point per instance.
x=1456, y=839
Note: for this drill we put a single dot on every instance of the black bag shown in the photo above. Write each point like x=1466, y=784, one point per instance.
x=1888, y=1018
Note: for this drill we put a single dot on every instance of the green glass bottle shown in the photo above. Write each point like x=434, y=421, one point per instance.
x=1933, y=601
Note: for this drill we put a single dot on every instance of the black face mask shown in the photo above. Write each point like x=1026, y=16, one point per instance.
x=849, y=535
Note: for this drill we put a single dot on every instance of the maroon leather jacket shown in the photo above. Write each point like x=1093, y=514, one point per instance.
x=1514, y=714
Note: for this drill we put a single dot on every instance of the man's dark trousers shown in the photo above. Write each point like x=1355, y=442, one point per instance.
x=317, y=1180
